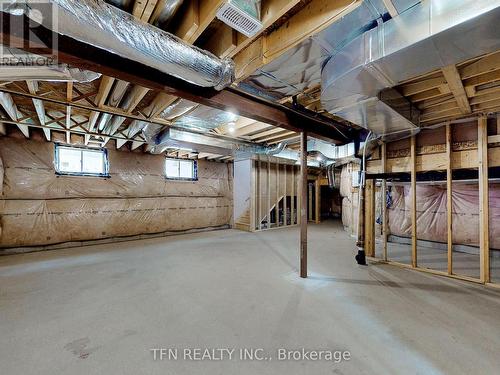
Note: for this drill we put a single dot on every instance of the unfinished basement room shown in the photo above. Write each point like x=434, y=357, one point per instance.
x=249, y=187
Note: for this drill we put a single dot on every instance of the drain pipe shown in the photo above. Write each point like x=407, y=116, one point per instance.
x=360, y=232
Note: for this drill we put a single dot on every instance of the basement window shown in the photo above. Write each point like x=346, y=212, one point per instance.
x=181, y=169
x=81, y=161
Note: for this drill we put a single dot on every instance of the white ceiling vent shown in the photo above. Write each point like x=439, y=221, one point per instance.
x=239, y=19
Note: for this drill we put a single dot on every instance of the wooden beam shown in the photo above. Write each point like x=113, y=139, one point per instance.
x=80, y=54
x=457, y=89
x=422, y=86
x=303, y=205
x=69, y=99
x=143, y=9
x=271, y=11
x=390, y=8
x=10, y=108
x=369, y=218
x=310, y=20
x=413, y=152
x=39, y=107
x=104, y=89
x=223, y=42
x=251, y=128
x=130, y=102
x=485, y=65
x=135, y=145
x=484, y=245
x=193, y=26
x=449, y=198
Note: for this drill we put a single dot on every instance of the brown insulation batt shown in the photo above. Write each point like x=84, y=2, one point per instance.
x=39, y=208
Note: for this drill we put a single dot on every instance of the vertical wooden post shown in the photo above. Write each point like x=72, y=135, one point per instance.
x=253, y=195
x=268, y=207
x=285, y=214
x=317, y=190
x=303, y=205
x=484, y=245
x=413, y=152
x=369, y=219
x=309, y=202
x=449, y=198
x=277, y=206
x=384, y=203
x=259, y=218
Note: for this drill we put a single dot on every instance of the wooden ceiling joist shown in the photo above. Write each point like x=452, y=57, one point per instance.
x=310, y=20
x=457, y=88
x=39, y=107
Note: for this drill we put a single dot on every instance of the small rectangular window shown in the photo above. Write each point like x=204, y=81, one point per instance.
x=80, y=161
x=181, y=169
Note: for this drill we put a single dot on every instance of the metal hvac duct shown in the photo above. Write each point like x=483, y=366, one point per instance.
x=105, y=26
x=174, y=137
x=427, y=37
x=17, y=65
x=164, y=15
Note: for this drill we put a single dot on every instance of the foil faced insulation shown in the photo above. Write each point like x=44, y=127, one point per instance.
x=105, y=26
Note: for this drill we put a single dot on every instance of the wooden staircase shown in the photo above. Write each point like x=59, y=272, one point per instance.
x=243, y=222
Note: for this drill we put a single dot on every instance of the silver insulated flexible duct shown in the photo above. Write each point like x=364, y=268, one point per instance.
x=107, y=27
x=427, y=37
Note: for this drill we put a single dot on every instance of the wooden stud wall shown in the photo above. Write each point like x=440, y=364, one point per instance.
x=274, y=180
x=483, y=156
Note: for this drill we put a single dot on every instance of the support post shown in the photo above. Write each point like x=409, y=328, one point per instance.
x=413, y=152
x=303, y=205
x=449, y=198
x=285, y=214
x=384, y=202
x=268, y=190
x=277, y=206
x=259, y=173
x=484, y=245
x=369, y=226
x=253, y=196
x=317, y=191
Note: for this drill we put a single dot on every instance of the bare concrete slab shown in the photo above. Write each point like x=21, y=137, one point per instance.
x=100, y=309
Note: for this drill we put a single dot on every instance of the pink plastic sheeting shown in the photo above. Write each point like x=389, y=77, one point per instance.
x=432, y=218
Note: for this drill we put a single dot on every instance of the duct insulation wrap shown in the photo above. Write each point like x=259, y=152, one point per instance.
x=17, y=65
x=299, y=68
x=107, y=27
x=426, y=37
x=162, y=138
x=168, y=11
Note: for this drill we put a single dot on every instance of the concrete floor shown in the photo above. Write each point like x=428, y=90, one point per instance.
x=99, y=309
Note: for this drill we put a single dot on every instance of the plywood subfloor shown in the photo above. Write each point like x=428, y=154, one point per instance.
x=99, y=309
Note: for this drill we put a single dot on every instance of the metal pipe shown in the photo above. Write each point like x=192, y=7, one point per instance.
x=303, y=205
x=360, y=237
x=107, y=27
x=164, y=12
